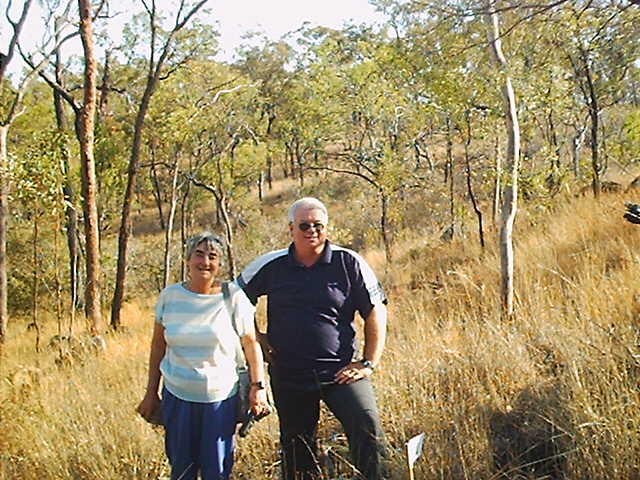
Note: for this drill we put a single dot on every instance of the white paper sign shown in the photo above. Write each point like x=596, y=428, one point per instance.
x=414, y=448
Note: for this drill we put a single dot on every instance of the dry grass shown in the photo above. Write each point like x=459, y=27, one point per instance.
x=551, y=393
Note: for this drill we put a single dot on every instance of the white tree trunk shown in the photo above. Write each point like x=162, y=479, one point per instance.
x=4, y=179
x=510, y=204
x=497, y=183
x=169, y=229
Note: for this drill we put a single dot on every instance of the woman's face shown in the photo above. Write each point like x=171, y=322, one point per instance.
x=204, y=263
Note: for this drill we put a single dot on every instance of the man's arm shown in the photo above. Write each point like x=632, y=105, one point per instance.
x=375, y=334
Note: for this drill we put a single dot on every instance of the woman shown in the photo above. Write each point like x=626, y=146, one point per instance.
x=193, y=349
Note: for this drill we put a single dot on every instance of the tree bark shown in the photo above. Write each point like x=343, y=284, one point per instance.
x=169, y=228
x=510, y=205
x=497, y=182
x=104, y=88
x=594, y=112
x=4, y=199
x=450, y=180
x=85, y=123
x=384, y=226
x=576, y=146
x=5, y=124
x=155, y=183
x=472, y=195
x=71, y=215
x=34, y=286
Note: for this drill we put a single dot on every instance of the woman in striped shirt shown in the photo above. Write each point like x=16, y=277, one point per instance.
x=194, y=350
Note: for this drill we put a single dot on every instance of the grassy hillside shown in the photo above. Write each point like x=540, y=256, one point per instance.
x=551, y=393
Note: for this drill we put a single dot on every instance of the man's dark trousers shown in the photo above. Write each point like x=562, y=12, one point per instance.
x=354, y=405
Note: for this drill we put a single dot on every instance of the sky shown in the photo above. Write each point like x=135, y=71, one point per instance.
x=235, y=18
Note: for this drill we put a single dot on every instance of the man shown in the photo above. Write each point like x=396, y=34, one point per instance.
x=313, y=290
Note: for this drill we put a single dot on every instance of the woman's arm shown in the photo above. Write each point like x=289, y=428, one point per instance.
x=151, y=397
x=253, y=354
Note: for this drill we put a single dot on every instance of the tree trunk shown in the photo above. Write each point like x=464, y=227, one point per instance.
x=85, y=122
x=169, y=229
x=594, y=116
x=576, y=145
x=229, y=236
x=449, y=178
x=71, y=215
x=153, y=77
x=449, y=163
x=34, y=286
x=497, y=182
x=5, y=59
x=125, y=222
x=184, y=227
x=384, y=226
x=105, y=87
x=509, y=207
x=472, y=196
x=157, y=192
x=4, y=212
x=270, y=170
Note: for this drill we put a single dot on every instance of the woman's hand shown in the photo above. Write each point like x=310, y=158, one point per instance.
x=258, y=401
x=148, y=405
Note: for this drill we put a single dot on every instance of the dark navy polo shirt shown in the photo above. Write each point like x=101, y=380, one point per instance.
x=311, y=310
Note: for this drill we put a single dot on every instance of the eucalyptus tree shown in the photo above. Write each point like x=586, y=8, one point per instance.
x=369, y=134
x=228, y=156
x=38, y=192
x=167, y=50
x=269, y=65
x=600, y=43
x=11, y=109
x=510, y=203
x=84, y=110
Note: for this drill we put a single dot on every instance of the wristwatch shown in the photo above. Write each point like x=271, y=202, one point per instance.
x=367, y=364
x=258, y=385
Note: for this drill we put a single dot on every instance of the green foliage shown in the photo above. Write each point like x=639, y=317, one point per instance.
x=632, y=131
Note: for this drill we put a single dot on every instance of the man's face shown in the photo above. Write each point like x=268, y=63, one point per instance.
x=309, y=229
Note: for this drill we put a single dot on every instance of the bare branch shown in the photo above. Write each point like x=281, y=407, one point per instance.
x=51, y=82
x=17, y=28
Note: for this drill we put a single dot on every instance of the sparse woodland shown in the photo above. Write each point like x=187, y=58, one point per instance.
x=478, y=154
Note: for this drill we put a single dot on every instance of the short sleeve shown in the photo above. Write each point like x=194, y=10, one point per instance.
x=368, y=291
x=243, y=309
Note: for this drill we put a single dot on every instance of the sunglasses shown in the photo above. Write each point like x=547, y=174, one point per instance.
x=304, y=226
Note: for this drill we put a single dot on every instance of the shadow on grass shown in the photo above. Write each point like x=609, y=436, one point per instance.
x=532, y=439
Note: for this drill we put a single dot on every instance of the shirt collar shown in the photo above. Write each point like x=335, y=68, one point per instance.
x=325, y=256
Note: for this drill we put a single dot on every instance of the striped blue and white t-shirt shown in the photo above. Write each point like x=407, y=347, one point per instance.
x=199, y=364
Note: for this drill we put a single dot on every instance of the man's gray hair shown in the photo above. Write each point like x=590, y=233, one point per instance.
x=307, y=203
x=212, y=241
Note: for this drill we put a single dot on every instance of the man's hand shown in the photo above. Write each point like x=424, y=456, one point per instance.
x=352, y=373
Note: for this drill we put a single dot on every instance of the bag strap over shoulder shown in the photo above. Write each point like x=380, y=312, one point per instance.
x=226, y=296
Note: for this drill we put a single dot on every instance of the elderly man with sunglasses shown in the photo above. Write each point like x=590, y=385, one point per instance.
x=313, y=290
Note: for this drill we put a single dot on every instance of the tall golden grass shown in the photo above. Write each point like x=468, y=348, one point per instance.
x=551, y=393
